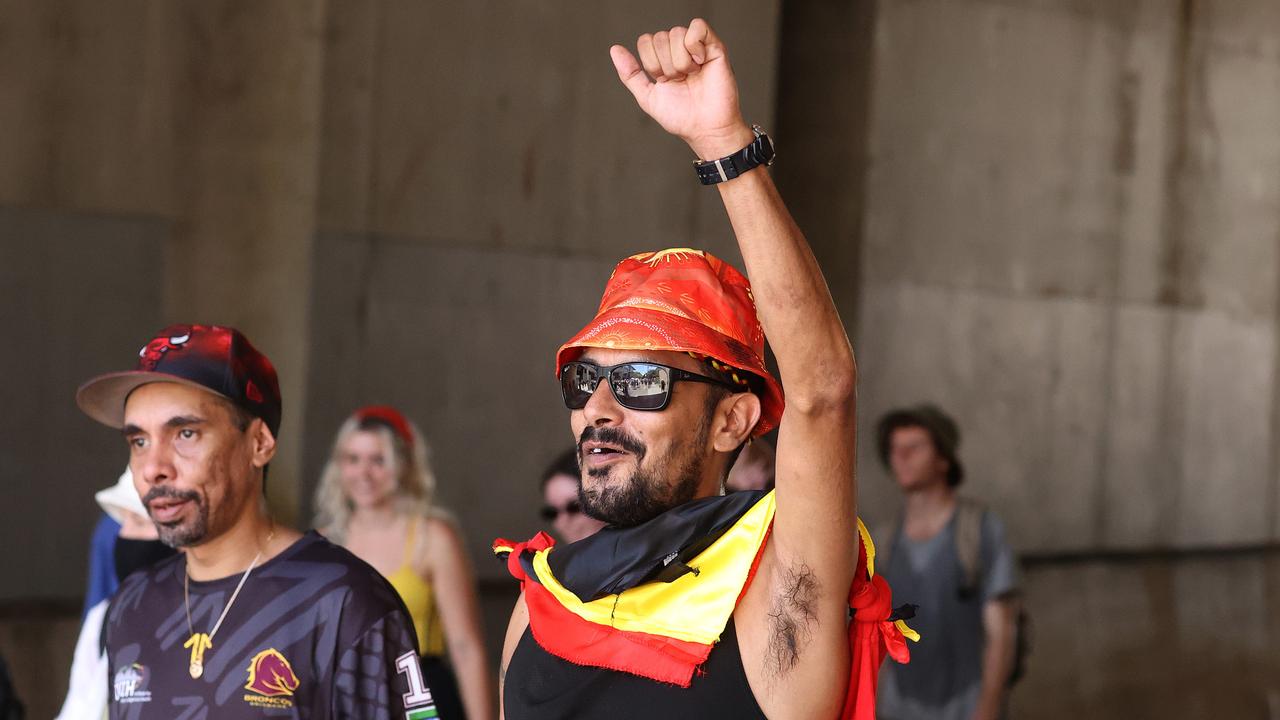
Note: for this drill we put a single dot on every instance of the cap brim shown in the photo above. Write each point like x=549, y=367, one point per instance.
x=102, y=398
x=632, y=328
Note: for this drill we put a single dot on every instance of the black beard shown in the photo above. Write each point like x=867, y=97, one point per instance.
x=645, y=494
x=179, y=535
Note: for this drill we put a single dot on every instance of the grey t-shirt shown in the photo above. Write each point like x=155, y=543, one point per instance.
x=944, y=677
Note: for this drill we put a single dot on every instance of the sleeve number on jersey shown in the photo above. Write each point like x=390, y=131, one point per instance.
x=408, y=665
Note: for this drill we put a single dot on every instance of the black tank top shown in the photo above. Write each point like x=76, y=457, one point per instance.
x=542, y=686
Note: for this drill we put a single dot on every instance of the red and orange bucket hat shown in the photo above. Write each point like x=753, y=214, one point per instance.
x=683, y=300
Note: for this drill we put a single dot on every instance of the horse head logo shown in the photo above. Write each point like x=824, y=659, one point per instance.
x=271, y=675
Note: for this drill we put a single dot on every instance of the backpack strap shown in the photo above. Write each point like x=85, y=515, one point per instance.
x=968, y=530
x=968, y=537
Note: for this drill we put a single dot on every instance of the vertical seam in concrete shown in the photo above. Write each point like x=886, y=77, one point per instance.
x=1124, y=148
x=869, y=20
x=838, y=242
x=375, y=96
x=1272, y=500
x=300, y=485
x=1170, y=416
x=1173, y=256
x=369, y=233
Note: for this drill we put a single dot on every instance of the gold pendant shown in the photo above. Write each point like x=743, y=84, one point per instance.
x=198, y=642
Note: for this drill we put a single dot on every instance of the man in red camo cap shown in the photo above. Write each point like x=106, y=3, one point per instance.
x=691, y=603
x=245, y=620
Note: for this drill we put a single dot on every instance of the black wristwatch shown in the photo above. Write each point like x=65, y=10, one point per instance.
x=759, y=152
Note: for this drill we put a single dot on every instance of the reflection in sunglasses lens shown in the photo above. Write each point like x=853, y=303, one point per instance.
x=640, y=386
x=637, y=386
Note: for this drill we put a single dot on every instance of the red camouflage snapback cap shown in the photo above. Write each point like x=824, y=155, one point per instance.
x=216, y=358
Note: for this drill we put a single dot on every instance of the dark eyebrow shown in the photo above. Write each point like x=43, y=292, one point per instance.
x=173, y=422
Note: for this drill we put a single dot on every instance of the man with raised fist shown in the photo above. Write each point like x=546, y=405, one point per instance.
x=692, y=603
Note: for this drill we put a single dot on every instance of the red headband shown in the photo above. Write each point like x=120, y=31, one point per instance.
x=390, y=417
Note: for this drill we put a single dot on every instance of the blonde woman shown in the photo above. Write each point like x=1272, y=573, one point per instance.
x=375, y=498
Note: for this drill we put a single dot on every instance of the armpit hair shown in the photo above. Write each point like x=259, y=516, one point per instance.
x=791, y=616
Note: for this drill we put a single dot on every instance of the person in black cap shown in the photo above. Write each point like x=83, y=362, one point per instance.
x=947, y=553
x=252, y=617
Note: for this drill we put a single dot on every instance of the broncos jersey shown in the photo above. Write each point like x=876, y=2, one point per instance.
x=315, y=633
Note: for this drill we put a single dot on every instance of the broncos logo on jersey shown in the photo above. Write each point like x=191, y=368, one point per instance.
x=271, y=675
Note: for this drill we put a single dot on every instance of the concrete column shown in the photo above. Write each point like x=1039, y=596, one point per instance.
x=1070, y=242
x=248, y=100
x=823, y=111
x=476, y=196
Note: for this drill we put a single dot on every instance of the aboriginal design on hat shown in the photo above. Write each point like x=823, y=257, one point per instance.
x=683, y=300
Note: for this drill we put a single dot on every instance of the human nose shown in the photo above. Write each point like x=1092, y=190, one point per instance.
x=359, y=469
x=154, y=465
x=602, y=407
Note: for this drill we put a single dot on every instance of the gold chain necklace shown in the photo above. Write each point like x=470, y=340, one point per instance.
x=200, y=642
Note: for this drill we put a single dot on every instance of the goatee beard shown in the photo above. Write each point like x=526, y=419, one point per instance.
x=180, y=535
x=649, y=491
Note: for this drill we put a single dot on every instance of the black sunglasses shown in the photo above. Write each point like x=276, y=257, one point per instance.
x=551, y=512
x=635, y=385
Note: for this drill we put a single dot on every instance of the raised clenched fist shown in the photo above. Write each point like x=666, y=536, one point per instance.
x=683, y=80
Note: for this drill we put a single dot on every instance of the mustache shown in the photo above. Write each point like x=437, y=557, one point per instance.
x=168, y=493
x=612, y=436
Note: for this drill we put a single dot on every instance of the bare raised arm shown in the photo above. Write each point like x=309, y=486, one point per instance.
x=683, y=80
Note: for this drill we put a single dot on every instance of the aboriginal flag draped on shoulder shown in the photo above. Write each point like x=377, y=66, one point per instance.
x=653, y=600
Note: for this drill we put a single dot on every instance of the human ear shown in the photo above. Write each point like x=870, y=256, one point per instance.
x=264, y=443
x=737, y=416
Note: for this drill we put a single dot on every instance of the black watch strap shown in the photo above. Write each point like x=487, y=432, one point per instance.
x=759, y=152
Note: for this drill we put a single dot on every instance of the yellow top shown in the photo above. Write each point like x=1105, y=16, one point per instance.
x=420, y=600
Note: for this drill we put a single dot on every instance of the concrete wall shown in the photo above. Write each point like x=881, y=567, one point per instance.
x=1071, y=242
x=1154, y=636
x=473, y=200
x=461, y=205
x=1057, y=218
x=158, y=166
x=398, y=201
